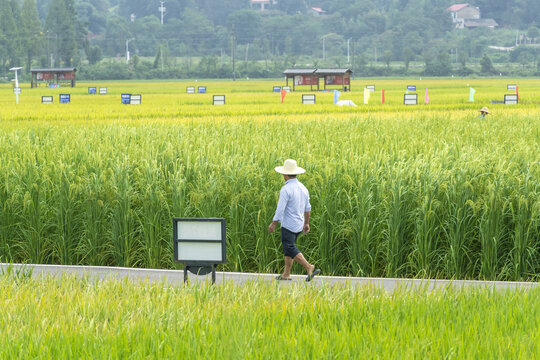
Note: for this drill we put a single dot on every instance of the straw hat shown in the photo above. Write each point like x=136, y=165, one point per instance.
x=484, y=109
x=289, y=168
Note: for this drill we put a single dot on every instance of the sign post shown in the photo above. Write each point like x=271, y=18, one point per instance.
x=200, y=244
x=17, y=89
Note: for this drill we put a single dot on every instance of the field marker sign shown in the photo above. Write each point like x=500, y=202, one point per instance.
x=126, y=99
x=190, y=89
x=65, y=98
x=200, y=244
x=92, y=90
x=46, y=99
x=411, y=87
x=201, y=89
x=102, y=91
x=218, y=100
x=410, y=99
x=135, y=99
x=370, y=88
x=511, y=87
x=287, y=88
x=510, y=99
x=276, y=89
x=308, y=99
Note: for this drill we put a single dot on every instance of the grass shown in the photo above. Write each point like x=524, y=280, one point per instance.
x=71, y=318
x=425, y=191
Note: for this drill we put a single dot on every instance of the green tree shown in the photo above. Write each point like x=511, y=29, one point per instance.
x=408, y=56
x=486, y=66
x=61, y=29
x=30, y=30
x=94, y=55
x=387, y=58
x=8, y=35
x=247, y=25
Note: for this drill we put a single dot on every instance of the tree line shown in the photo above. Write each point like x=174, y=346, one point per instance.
x=201, y=37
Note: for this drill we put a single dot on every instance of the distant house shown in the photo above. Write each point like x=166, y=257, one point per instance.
x=261, y=4
x=468, y=16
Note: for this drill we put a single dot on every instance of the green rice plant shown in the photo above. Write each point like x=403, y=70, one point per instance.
x=69, y=317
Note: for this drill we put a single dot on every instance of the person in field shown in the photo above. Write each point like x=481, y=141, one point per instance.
x=483, y=112
x=293, y=211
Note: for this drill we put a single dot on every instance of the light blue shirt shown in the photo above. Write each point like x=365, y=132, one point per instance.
x=293, y=203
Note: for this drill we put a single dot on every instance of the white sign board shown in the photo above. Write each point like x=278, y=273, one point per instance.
x=46, y=99
x=199, y=241
x=102, y=91
x=17, y=90
x=511, y=87
x=287, y=88
x=410, y=99
x=190, y=89
x=511, y=99
x=135, y=100
x=370, y=87
x=219, y=100
x=308, y=99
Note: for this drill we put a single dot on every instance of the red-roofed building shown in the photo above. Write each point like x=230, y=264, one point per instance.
x=462, y=12
x=317, y=11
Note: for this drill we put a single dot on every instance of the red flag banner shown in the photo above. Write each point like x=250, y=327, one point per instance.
x=382, y=96
x=517, y=92
x=283, y=93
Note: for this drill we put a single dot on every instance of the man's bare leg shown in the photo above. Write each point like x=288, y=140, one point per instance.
x=302, y=261
x=288, y=266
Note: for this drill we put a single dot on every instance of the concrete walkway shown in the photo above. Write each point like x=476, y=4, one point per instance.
x=177, y=277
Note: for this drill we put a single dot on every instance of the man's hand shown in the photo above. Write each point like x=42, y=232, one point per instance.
x=272, y=227
x=305, y=230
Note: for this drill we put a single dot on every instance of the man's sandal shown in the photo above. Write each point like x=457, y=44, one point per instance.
x=279, y=277
x=313, y=274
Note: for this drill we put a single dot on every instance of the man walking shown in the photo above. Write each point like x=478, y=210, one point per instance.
x=293, y=211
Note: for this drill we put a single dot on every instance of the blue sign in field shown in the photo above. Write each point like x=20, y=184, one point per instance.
x=126, y=98
x=92, y=90
x=201, y=89
x=411, y=87
x=277, y=88
x=65, y=98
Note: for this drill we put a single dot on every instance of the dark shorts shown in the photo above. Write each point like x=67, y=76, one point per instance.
x=288, y=239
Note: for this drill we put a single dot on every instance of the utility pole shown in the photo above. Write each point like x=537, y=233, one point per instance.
x=162, y=10
x=127, y=50
x=348, y=53
x=233, y=52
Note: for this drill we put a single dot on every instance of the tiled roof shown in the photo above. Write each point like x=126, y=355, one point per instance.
x=53, y=69
x=457, y=7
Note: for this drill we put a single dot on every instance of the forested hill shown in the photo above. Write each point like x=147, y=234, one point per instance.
x=317, y=31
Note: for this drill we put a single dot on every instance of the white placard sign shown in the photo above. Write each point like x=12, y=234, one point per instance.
x=199, y=241
x=46, y=99
x=135, y=99
x=102, y=91
x=287, y=88
x=511, y=87
x=370, y=87
x=511, y=99
x=308, y=99
x=219, y=100
x=190, y=89
x=410, y=99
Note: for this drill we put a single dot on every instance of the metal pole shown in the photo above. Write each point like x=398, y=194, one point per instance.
x=348, y=52
x=323, y=48
x=17, y=86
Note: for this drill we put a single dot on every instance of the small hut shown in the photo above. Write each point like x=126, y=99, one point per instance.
x=301, y=77
x=59, y=76
x=332, y=77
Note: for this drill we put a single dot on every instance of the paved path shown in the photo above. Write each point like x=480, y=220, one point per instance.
x=177, y=277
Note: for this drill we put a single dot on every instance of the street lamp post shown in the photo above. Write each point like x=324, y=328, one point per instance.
x=17, y=89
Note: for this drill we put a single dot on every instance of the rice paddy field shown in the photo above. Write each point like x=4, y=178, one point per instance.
x=73, y=318
x=429, y=191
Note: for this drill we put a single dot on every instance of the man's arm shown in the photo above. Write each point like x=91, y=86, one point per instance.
x=282, y=202
x=305, y=230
